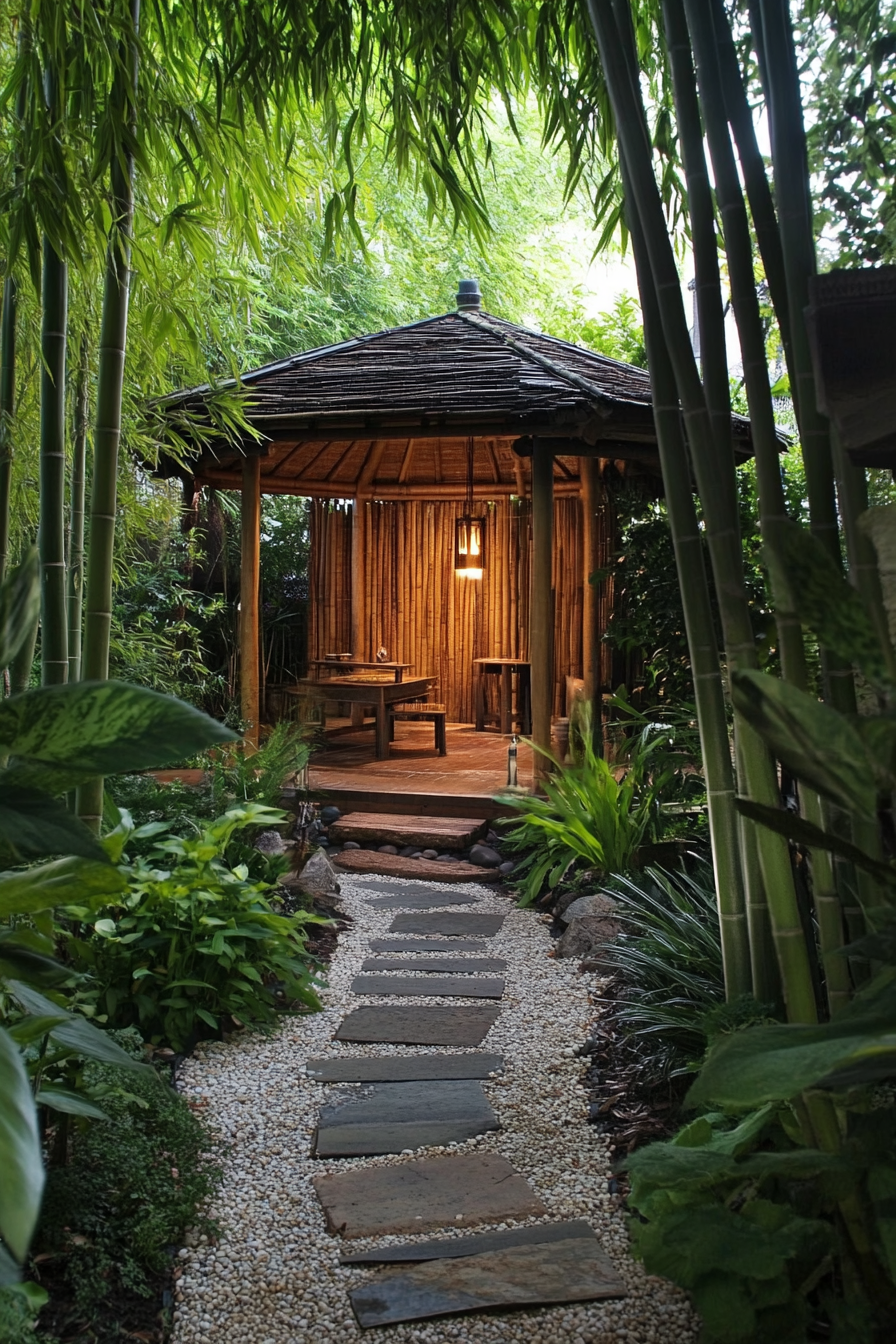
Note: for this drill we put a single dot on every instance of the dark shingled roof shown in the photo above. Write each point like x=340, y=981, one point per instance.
x=443, y=378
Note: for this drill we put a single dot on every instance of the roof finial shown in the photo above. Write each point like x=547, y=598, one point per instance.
x=468, y=297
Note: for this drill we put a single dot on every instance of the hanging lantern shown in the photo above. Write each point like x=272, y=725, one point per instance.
x=469, y=547
x=469, y=533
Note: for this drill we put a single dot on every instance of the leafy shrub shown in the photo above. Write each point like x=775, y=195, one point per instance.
x=194, y=944
x=133, y=1184
x=587, y=814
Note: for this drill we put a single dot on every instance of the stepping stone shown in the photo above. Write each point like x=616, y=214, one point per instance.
x=421, y=832
x=447, y=965
x=420, y=901
x=563, y=1271
x=386, y=888
x=451, y=1248
x=393, y=865
x=421, y=945
x=402, y=1068
x=390, y=1117
x=446, y=986
x=448, y=924
x=419, y=1026
x=421, y=1196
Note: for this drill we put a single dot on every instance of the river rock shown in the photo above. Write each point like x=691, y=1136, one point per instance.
x=485, y=857
x=585, y=907
x=318, y=877
x=329, y=814
x=271, y=843
x=387, y=849
x=507, y=868
x=587, y=935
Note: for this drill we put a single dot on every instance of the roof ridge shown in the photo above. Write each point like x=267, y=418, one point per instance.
x=585, y=385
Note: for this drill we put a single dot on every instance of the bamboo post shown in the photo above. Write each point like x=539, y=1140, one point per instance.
x=250, y=574
x=540, y=640
x=592, y=487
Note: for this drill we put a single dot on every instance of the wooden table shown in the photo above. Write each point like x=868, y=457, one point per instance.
x=331, y=664
x=380, y=694
x=505, y=668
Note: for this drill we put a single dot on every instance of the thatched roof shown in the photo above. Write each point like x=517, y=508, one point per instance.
x=393, y=411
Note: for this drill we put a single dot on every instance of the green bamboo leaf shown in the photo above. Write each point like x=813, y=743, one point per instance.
x=34, y=824
x=20, y=1156
x=61, y=882
x=69, y=733
x=814, y=742
x=19, y=607
x=794, y=827
x=775, y=1063
x=825, y=601
x=23, y=963
x=69, y=1102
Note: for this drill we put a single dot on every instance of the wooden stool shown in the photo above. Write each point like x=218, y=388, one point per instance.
x=436, y=714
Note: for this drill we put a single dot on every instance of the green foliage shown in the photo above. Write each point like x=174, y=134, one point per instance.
x=194, y=945
x=131, y=1188
x=668, y=958
x=19, y=1306
x=587, y=815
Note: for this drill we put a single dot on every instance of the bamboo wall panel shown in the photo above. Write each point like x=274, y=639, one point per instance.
x=421, y=613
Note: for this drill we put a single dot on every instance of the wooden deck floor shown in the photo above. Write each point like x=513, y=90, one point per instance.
x=475, y=767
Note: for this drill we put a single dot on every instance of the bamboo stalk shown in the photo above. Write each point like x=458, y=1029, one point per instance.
x=51, y=528
x=8, y=325
x=76, y=527
x=250, y=566
x=541, y=650
x=716, y=483
x=110, y=385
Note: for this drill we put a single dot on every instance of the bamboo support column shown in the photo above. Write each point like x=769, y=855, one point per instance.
x=358, y=578
x=540, y=623
x=250, y=575
x=592, y=632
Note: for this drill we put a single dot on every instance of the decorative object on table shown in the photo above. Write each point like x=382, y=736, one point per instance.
x=512, y=751
x=382, y=654
x=469, y=533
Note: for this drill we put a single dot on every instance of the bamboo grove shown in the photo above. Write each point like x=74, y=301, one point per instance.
x=177, y=113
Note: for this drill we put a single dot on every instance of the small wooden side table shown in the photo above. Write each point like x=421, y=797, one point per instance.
x=505, y=669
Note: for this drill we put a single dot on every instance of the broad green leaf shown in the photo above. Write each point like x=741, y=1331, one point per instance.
x=19, y=607
x=794, y=827
x=74, y=1032
x=829, y=605
x=9, y=1270
x=69, y=1102
x=61, y=735
x=23, y=963
x=882, y=1190
x=29, y=1029
x=20, y=1157
x=62, y=882
x=774, y=1063
x=34, y=825
x=815, y=743
x=685, y=1246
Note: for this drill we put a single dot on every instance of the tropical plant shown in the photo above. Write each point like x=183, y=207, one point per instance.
x=193, y=946
x=668, y=962
x=587, y=815
x=51, y=740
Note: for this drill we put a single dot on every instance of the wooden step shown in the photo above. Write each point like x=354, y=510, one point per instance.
x=423, y=832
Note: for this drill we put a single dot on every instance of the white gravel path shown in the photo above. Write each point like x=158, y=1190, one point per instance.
x=274, y=1277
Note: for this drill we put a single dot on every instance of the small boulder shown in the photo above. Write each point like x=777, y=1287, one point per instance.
x=409, y=852
x=585, y=907
x=387, y=849
x=485, y=857
x=318, y=877
x=506, y=868
x=586, y=936
x=329, y=814
x=271, y=843
x=429, y=854
x=351, y=844
x=445, y=858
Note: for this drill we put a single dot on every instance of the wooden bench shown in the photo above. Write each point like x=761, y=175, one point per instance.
x=435, y=714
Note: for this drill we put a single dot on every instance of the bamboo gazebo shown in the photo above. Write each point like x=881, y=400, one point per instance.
x=394, y=436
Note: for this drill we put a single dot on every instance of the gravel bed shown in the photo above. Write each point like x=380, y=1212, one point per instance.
x=274, y=1276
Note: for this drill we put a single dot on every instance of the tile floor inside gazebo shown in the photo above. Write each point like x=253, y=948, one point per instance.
x=475, y=767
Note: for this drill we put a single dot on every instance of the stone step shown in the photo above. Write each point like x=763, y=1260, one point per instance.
x=442, y=833
x=437, y=965
x=437, y=986
x=403, y=1068
x=394, y=1117
x=393, y=865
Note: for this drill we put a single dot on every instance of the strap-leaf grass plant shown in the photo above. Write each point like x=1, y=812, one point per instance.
x=591, y=813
